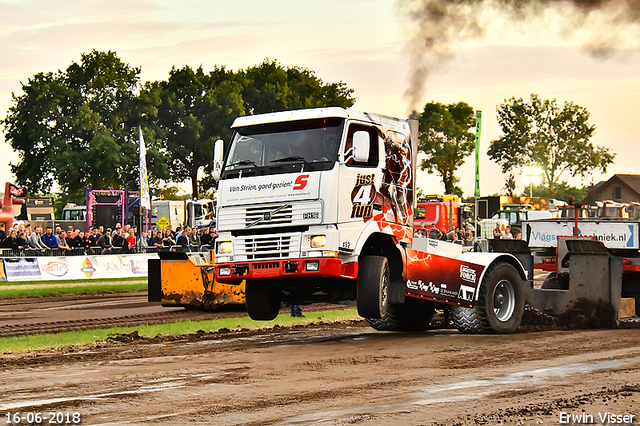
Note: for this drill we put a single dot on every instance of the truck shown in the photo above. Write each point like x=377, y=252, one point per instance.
x=445, y=212
x=317, y=205
x=200, y=213
x=177, y=213
x=512, y=215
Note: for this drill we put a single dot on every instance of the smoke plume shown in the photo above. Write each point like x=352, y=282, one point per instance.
x=437, y=26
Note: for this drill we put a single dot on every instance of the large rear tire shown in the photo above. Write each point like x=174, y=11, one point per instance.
x=372, y=294
x=500, y=304
x=262, y=301
x=412, y=315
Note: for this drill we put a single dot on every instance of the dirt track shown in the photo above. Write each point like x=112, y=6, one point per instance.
x=333, y=375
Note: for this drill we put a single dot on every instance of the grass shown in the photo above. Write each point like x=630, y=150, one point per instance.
x=84, y=337
x=50, y=288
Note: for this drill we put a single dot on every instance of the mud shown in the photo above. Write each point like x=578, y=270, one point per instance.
x=333, y=374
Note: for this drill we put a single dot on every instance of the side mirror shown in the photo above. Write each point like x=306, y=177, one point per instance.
x=218, y=159
x=361, y=146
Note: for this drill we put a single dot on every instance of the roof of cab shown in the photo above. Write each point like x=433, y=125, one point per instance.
x=307, y=114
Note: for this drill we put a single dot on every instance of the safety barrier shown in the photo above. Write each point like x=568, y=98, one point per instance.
x=75, y=267
x=93, y=251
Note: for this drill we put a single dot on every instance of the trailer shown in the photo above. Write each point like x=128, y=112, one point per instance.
x=607, y=251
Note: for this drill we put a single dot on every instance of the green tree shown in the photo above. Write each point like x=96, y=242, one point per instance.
x=75, y=128
x=446, y=140
x=192, y=110
x=555, y=139
x=271, y=87
x=562, y=192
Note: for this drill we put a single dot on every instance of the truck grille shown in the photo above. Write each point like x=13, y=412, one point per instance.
x=268, y=247
x=270, y=215
x=281, y=215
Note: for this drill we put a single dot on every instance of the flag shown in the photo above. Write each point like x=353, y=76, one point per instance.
x=145, y=199
x=476, y=192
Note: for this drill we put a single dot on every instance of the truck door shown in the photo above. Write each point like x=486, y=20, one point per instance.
x=358, y=199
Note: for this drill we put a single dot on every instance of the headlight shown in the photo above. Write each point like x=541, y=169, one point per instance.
x=225, y=247
x=318, y=241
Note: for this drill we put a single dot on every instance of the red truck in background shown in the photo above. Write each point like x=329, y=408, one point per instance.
x=445, y=211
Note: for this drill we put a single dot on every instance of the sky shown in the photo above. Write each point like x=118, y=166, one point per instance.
x=363, y=43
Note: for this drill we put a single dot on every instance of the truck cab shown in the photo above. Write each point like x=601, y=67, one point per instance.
x=304, y=196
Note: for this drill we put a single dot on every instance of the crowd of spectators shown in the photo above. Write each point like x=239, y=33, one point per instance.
x=22, y=240
x=460, y=235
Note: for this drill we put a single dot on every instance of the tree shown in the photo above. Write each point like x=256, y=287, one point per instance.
x=555, y=139
x=562, y=192
x=446, y=140
x=192, y=110
x=271, y=87
x=76, y=128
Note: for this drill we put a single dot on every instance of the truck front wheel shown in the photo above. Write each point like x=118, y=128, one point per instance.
x=500, y=303
x=262, y=301
x=372, y=294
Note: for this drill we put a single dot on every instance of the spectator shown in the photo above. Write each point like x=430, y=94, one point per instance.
x=35, y=241
x=296, y=311
x=3, y=234
x=143, y=241
x=104, y=242
x=92, y=236
x=454, y=237
x=167, y=237
x=132, y=241
x=206, y=237
x=194, y=239
x=21, y=242
x=183, y=239
x=79, y=241
x=507, y=234
x=497, y=232
x=434, y=233
x=62, y=241
x=155, y=240
x=92, y=240
x=49, y=239
x=118, y=241
x=9, y=240
x=468, y=235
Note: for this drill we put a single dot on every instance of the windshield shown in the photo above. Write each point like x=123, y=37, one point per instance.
x=272, y=146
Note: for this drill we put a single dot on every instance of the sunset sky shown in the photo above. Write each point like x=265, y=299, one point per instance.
x=360, y=42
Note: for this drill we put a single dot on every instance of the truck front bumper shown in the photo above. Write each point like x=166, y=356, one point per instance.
x=235, y=272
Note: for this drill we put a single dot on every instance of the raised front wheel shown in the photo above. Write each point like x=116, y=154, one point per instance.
x=373, y=287
x=262, y=301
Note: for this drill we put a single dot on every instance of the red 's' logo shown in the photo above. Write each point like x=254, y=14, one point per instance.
x=301, y=182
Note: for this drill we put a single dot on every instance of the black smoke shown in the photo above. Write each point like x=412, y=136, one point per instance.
x=435, y=26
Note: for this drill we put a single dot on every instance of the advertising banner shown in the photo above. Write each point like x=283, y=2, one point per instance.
x=22, y=269
x=77, y=267
x=261, y=189
x=612, y=234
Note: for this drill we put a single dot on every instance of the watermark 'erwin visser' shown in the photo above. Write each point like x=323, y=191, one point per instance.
x=599, y=418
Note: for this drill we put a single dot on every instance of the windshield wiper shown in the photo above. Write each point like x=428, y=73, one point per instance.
x=290, y=158
x=242, y=163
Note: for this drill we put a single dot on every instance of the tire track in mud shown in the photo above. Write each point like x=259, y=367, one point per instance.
x=91, y=318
